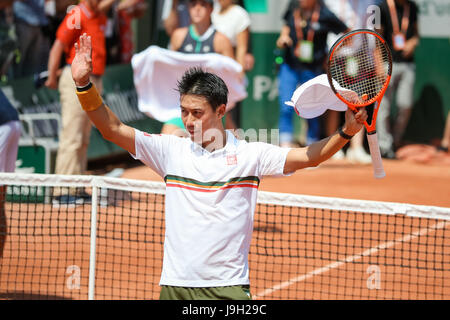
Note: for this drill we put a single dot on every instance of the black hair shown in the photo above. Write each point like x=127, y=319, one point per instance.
x=198, y=82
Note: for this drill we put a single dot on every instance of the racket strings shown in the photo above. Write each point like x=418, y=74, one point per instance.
x=360, y=63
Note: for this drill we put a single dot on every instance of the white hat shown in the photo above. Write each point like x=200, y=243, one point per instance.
x=314, y=97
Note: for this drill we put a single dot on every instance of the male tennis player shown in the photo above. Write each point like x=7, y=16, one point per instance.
x=211, y=180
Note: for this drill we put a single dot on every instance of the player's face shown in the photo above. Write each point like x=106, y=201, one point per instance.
x=200, y=11
x=198, y=116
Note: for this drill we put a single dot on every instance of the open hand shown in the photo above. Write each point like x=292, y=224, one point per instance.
x=82, y=63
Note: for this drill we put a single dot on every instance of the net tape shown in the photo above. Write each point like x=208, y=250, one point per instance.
x=264, y=197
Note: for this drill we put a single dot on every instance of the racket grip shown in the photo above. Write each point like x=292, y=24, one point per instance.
x=377, y=163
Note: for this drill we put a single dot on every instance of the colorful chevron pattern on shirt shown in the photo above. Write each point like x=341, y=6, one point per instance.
x=191, y=184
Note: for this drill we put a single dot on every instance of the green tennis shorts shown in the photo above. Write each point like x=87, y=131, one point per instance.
x=240, y=292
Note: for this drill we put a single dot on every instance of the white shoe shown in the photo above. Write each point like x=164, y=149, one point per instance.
x=338, y=155
x=358, y=155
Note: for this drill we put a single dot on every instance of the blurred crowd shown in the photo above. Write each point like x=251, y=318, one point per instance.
x=38, y=36
x=28, y=29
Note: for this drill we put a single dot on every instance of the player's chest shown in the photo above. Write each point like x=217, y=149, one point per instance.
x=206, y=166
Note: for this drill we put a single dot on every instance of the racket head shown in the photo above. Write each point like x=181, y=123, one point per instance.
x=359, y=61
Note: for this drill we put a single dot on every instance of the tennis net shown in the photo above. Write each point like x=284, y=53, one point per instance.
x=109, y=245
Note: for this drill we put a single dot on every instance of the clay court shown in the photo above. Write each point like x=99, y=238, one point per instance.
x=296, y=253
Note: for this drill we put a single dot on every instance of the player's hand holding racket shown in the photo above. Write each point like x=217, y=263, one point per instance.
x=361, y=62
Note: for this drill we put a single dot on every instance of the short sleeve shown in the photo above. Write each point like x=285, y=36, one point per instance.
x=67, y=33
x=271, y=159
x=153, y=150
x=244, y=20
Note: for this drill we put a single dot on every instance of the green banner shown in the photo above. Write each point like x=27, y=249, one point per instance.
x=260, y=111
x=256, y=6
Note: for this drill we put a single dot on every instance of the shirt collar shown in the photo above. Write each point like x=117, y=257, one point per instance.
x=230, y=146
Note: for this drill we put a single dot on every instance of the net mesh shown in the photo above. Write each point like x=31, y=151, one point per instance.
x=302, y=247
x=360, y=63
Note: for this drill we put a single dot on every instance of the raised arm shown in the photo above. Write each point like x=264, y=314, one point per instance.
x=101, y=116
x=316, y=153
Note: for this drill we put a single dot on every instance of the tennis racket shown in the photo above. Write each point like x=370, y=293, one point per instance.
x=361, y=62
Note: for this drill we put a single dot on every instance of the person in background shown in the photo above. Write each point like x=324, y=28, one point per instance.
x=74, y=137
x=234, y=22
x=56, y=12
x=8, y=38
x=354, y=13
x=34, y=45
x=399, y=26
x=119, y=33
x=304, y=37
x=9, y=145
x=199, y=37
x=177, y=16
x=445, y=142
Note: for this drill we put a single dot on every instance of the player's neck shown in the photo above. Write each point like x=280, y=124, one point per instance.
x=216, y=142
x=400, y=2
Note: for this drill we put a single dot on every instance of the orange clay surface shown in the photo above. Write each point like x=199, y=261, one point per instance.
x=295, y=253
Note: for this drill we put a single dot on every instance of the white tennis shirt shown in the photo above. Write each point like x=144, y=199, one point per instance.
x=209, y=205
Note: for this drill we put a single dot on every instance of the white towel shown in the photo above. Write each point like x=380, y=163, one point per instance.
x=157, y=70
x=314, y=97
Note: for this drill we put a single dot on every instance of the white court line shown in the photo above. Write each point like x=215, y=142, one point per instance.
x=337, y=264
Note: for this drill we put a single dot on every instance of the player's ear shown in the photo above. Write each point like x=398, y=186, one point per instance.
x=220, y=111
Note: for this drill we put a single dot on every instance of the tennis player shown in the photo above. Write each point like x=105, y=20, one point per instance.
x=211, y=181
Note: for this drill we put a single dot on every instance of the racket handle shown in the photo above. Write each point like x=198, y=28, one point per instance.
x=378, y=170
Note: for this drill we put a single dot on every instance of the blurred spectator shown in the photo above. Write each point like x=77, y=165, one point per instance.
x=176, y=15
x=445, y=142
x=119, y=32
x=233, y=21
x=34, y=45
x=354, y=14
x=9, y=144
x=8, y=38
x=304, y=37
x=56, y=11
x=199, y=37
x=76, y=126
x=399, y=26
